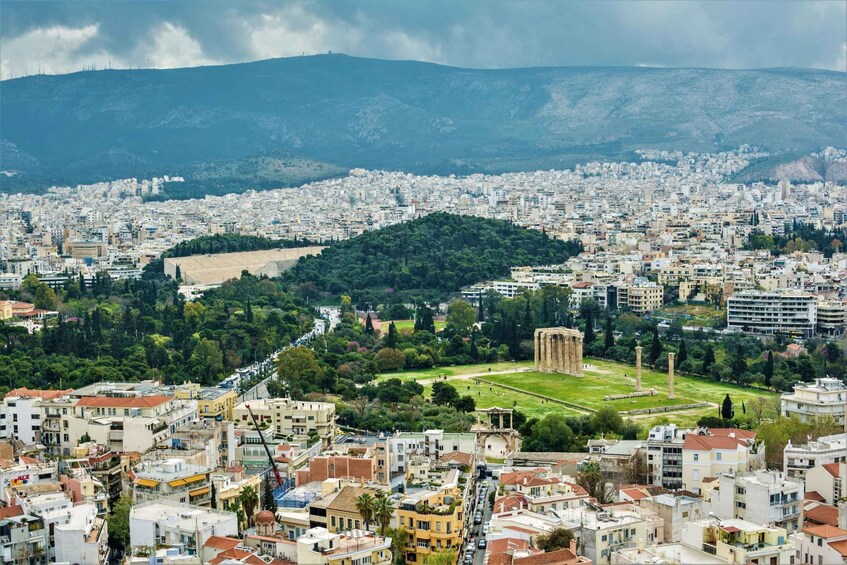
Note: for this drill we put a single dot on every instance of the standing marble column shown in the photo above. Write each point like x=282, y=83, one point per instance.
x=535, y=346
x=548, y=352
x=638, y=368
x=578, y=355
x=670, y=375
x=562, y=353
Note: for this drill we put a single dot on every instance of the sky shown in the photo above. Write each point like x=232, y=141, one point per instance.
x=61, y=37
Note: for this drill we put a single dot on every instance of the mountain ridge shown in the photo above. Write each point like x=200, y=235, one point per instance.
x=337, y=112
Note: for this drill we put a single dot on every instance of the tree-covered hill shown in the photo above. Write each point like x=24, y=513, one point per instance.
x=434, y=255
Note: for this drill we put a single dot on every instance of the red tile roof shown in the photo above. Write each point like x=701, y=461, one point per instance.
x=822, y=514
x=840, y=546
x=36, y=393
x=696, y=442
x=11, y=512
x=118, y=402
x=831, y=468
x=825, y=531
x=813, y=495
x=221, y=542
x=548, y=558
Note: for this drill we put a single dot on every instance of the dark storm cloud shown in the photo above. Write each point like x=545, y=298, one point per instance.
x=62, y=36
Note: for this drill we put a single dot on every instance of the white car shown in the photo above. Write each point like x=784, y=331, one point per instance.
x=485, y=528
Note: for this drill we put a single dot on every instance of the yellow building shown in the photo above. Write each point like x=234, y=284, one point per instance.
x=434, y=521
x=337, y=511
x=212, y=402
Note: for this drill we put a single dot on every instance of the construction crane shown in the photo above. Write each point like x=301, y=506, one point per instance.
x=267, y=449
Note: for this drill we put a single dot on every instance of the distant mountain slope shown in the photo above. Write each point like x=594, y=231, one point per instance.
x=435, y=255
x=802, y=169
x=348, y=112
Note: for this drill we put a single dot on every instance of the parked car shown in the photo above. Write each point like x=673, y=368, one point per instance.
x=481, y=543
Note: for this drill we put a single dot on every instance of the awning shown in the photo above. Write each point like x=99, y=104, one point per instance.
x=177, y=483
x=195, y=478
x=199, y=491
x=149, y=483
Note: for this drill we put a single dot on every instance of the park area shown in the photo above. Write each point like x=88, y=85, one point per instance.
x=536, y=394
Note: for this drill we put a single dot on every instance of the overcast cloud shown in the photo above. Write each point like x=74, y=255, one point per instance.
x=60, y=37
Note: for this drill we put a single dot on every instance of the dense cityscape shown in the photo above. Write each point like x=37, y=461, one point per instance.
x=441, y=283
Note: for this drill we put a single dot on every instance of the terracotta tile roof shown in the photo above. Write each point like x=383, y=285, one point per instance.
x=117, y=402
x=507, y=503
x=548, y=558
x=457, y=456
x=527, y=478
x=221, y=542
x=11, y=512
x=825, y=531
x=831, y=468
x=36, y=393
x=696, y=442
x=635, y=494
x=822, y=514
x=813, y=495
x=840, y=546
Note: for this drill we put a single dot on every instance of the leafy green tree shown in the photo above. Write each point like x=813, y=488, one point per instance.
x=607, y=420
x=559, y=538
x=45, y=298
x=424, y=320
x=550, y=433
x=390, y=359
x=118, y=522
x=442, y=557
x=591, y=478
x=739, y=363
x=297, y=365
x=208, y=360
x=399, y=539
x=444, y=394
x=461, y=318
x=465, y=404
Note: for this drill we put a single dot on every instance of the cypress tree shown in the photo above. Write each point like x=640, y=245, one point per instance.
x=248, y=312
x=769, y=369
x=682, y=354
x=178, y=274
x=708, y=358
x=474, y=349
x=589, y=328
x=655, y=347
x=391, y=339
x=268, y=502
x=369, y=325
x=481, y=314
x=727, y=410
x=609, y=334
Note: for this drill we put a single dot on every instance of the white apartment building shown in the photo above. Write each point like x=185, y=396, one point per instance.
x=22, y=472
x=823, y=397
x=826, y=481
x=172, y=480
x=705, y=456
x=787, y=312
x=178, y=525
x=83, y=539
x=761, y=497
x=507, y=289
x=832, y=317
x=664, y=456
x=320, y=547
x=820, y=545
x=134, y=423
x=797, y=460
x=21, y=415
x=290, y=418
x=430, y=443
x=640, y=297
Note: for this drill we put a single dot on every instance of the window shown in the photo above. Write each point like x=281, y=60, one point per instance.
x=820, y=542
x=332, y=521
x=696, y=457
x=718, y=455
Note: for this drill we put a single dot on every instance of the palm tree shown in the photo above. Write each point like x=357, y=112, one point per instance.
x=365, y=504
x=383, y=511
x=249, y=500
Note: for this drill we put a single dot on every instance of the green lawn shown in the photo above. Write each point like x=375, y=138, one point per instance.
x=487, y=396
x=455, y=371
x=410, y=325
x=601, y=378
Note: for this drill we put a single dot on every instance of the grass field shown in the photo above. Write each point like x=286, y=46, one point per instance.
x=410, y=325
x=601, y=378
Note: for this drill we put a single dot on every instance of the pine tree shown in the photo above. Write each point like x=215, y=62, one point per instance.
x=391, y=339
x=727, y=410
x=682, y=354
x=369, y=325
x=528, y=325
x=589, y=328
x=655, y=348
x=609, y=334
x=769, y=369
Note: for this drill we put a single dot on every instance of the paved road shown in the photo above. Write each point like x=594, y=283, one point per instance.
x=260, y=389
x=476, y=529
